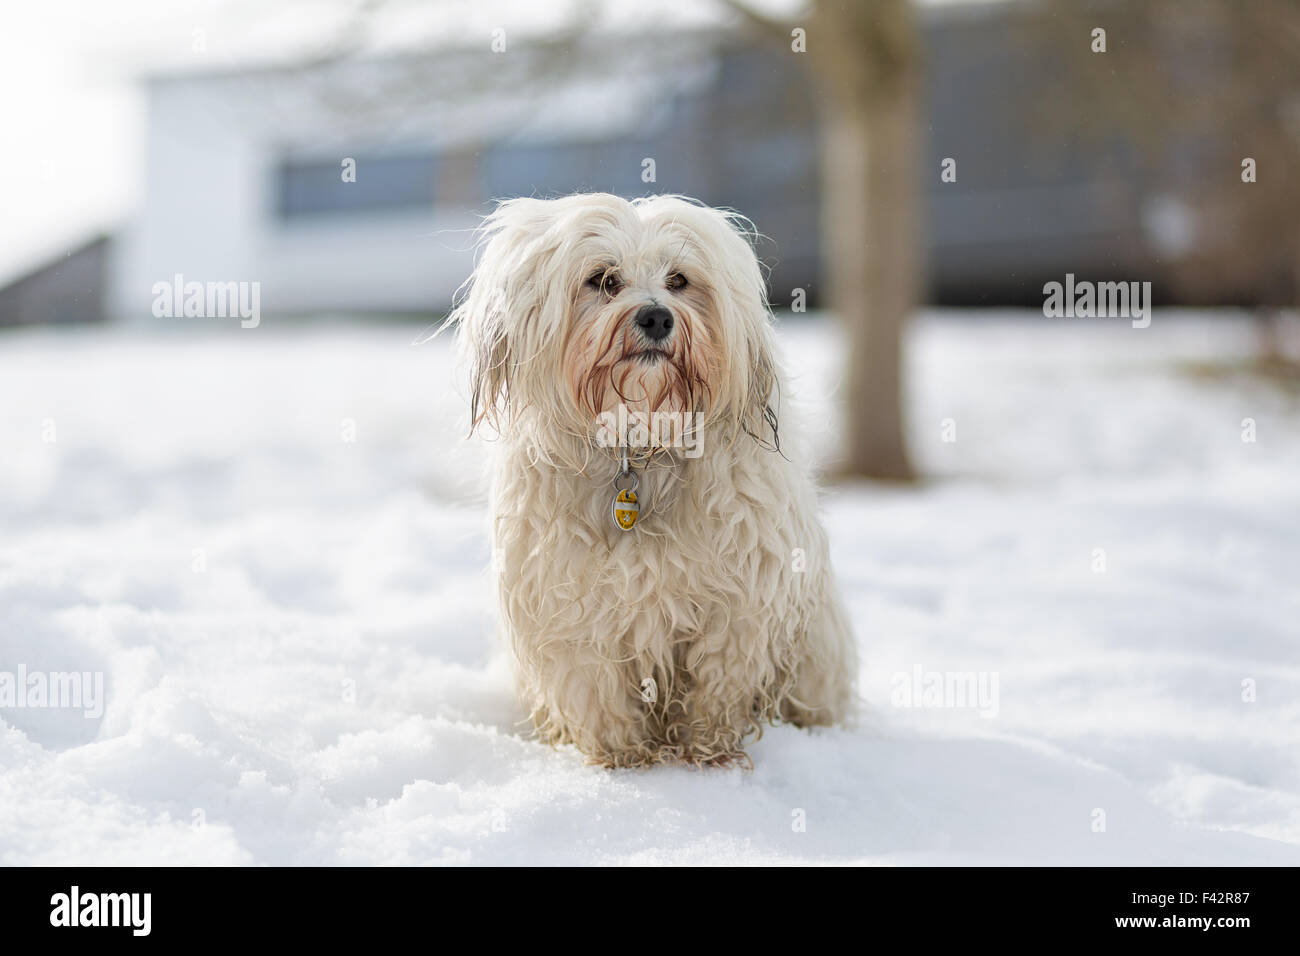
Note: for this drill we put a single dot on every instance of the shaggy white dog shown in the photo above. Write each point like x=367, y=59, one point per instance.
x=663, y=578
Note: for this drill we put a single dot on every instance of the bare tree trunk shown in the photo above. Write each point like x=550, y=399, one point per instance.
x=870, y=81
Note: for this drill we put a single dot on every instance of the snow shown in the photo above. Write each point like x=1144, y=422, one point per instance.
x=295, y=633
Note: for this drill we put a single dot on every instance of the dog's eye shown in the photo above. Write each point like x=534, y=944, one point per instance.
x=675, y=281
x=606, y=282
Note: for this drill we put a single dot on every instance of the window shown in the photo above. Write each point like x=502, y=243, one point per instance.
x=383, y=184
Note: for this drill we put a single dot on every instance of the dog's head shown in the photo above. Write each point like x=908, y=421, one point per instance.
x=582, y=304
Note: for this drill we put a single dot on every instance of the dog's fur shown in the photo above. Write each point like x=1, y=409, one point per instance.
x=721, y=595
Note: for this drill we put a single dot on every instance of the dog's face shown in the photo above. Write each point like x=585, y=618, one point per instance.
x=582, y=304
x=639, y=333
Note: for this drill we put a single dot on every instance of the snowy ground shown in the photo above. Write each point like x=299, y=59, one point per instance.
x=295, y=636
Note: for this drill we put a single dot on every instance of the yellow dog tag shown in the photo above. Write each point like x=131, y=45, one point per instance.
x=626, y=509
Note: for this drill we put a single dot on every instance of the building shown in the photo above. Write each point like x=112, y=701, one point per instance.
x=249, y=173
x=356, y=187
x=72, y=288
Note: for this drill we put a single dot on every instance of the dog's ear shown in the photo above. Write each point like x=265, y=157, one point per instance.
x=497, y=301
x=489, y=362
x=483, y=339
x=759, y=417
x=741, y=301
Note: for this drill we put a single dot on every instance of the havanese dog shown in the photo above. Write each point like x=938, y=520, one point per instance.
x=663, y=578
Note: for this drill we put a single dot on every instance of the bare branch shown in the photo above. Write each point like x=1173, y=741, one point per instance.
x=773, y=27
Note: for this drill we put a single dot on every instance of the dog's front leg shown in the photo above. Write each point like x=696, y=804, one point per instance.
x=582, y=694
x=728, y=697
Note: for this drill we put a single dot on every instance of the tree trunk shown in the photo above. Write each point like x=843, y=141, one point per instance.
x=869, y=82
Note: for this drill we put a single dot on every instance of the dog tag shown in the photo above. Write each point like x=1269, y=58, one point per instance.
x=626, y=509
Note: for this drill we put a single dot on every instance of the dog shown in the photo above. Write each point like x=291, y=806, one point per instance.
x=663, y=578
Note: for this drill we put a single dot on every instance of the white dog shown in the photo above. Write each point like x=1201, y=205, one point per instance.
x=663, y=578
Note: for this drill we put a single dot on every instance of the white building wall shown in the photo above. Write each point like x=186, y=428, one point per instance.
x=208, y=213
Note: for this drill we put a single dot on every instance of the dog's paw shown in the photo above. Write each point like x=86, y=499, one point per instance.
x=727, y=759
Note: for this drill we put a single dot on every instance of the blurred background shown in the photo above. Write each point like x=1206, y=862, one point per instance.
x=894, y=154
x=269, y=535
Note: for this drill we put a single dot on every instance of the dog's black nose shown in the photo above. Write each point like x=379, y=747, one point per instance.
x=655, y=322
